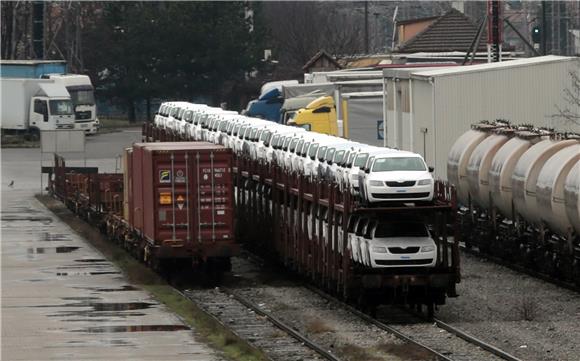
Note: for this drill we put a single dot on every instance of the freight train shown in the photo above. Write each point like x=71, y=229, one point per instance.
x=397, y=252
x=518, y=190
x=172, y=207
x=178, y=199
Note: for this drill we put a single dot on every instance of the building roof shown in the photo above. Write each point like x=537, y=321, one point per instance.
x=492, y=66
x=453, y=31
x=419, y=20
x=318, y=56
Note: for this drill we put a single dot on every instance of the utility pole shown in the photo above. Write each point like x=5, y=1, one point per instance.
x=366, y=27
x=38, y=29
x=544, y=28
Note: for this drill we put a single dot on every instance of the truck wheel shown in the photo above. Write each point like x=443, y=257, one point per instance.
x=33, y=135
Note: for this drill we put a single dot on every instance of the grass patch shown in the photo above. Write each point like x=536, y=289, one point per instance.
x=406, y=351
x=207, y=328
x=318, y=326
x=117, y=123
x=356, y=353
x=18, y=141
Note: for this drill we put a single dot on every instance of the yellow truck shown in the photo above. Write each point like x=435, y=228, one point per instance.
x=318, y=116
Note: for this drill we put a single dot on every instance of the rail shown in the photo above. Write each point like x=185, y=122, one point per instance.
x=283, y=326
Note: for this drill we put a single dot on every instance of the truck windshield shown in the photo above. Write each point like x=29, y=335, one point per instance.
x=401, y=229
x=82, y=97
x=61, y=107
x=398, y=164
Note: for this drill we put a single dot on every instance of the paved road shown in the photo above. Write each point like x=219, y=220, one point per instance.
x=60, y=299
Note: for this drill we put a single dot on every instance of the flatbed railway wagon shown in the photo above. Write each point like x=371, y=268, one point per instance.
x=173, y=206
x=307, y=226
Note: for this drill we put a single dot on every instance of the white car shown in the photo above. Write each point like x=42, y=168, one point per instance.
x=396, y=176
x=400, y=244
x=351, y=175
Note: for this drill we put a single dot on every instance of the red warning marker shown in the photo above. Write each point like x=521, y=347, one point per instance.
x=180, y=202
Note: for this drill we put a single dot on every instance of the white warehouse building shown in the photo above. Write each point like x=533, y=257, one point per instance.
x=427, y=110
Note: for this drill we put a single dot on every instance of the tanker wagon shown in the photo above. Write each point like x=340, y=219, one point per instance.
x=518, y=191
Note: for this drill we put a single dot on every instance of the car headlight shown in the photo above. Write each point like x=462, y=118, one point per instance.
x=376, y=183
x=424, y=182
x=427, y=248
x=378, y=249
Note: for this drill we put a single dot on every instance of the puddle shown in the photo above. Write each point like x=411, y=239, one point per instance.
x=43, y=219
x=100, y=306
x=140, y=328
x=102, y=289
x=90, y=316
x=94, y=273
x=54, y=237
x=91, y=260
x=115, y=343
x=45, y=250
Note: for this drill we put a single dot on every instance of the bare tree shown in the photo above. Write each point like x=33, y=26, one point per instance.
x=300, y=29
x=571, y=112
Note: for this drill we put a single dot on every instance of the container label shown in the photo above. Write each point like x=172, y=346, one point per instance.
x=164, y=176
x=165, y=198
x=179, y=176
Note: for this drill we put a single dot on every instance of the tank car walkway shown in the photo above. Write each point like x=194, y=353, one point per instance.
x=60, y=299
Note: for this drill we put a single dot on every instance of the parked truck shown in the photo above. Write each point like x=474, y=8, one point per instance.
x=32, y=105
x=79, y=86
x=81, y=92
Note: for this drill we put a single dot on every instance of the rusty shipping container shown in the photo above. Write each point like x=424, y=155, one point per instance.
x=182, y=198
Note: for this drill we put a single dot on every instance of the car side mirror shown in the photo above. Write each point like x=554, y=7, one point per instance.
x=329, y=162
x=312, y=158
x=367, y=170
x=431, y=169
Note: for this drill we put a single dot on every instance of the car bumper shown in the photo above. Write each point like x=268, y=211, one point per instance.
x=384, y=193
x=389, y=260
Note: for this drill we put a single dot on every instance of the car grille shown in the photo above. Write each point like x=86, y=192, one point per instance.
x=399, y=250
x=400, y=184
x=400, y=195
x=382, y=262
x=83, y=115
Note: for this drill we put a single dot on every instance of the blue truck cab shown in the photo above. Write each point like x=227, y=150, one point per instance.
x=267, y=106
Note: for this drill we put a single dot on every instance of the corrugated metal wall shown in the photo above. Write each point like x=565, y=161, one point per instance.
x=526, y=94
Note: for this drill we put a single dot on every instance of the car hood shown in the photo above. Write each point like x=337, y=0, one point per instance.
x=402, y=242
x=400, y=176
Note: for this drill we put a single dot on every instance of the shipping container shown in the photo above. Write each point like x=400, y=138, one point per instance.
x=183, y=198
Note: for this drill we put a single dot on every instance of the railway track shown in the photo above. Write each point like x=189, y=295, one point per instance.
x=256, y=324
x=432, y=335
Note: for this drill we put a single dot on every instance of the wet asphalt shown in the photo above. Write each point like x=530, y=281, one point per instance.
x=61, y=300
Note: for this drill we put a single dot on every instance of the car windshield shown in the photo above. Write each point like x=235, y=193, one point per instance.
x=401, y=229
x=265, y=136
x=293, y=145
x=399, y=164
x=312, y=150
x=61, y=107
x=322, y=152
x=361, y=160
x=338, y=156
x=329, y=154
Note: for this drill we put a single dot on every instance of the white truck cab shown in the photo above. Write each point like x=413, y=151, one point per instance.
x=82, y=94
